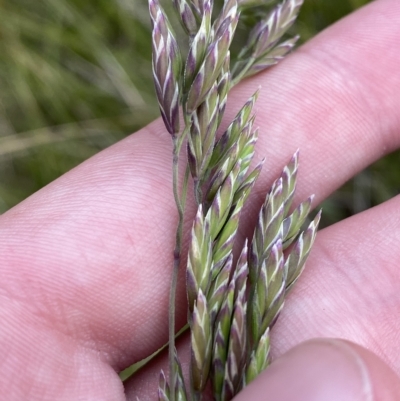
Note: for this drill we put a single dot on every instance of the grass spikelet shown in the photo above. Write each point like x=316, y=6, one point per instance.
x=268, y=229
x=224, y=81
x=167, y=65
x=201, y=137
x=221, y=341
x=201, y=343
x=198, y=46
x=259, y=358
x=231, y=135
x=275, y=286
x=219, y=287
x=267, y=32
x=164, y=392
x=198, y=7
x=220, y=208
x=236, y=349
x=246, y=150
x=163, y=388
x=226, y=239
x=272, y=57
x=199, y=258
x=242, y=270
x=222, y=172
x=289, y=176
x=180, y=390
x=293, y=223
x=211, y=67
x=298, y=255
x=229, y=11
x=248, y=183
x=268, y=295
x=262, y=49
x=187, y=16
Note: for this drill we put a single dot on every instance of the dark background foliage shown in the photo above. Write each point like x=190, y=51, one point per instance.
x=75, y=77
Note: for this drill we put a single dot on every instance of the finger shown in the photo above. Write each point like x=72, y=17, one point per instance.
x=325, y=370
x=92, y=250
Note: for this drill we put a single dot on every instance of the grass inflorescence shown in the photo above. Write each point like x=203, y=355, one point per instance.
x=232, y=303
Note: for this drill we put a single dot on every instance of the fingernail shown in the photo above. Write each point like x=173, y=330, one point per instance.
x=318, y=370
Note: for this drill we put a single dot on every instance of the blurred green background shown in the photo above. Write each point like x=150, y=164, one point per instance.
x=75, y=77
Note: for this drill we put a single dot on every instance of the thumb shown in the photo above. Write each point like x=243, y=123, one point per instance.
x=325, y=370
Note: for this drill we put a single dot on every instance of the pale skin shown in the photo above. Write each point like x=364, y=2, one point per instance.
x=86, y=262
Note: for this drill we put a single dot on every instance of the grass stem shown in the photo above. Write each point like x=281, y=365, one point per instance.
x=180, y=200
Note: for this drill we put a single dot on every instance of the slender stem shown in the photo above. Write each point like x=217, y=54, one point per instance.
x=180, y=201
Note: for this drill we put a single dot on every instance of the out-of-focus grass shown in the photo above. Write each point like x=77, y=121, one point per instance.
x=76, y=76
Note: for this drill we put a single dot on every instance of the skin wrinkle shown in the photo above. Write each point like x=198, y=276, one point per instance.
x=70, y=321
x=380, y=340
x=372, y=83
x=349, y=116
x=361, y=96
x=339, y=245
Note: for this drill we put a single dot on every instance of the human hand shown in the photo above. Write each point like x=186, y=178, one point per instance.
x=86, y=262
